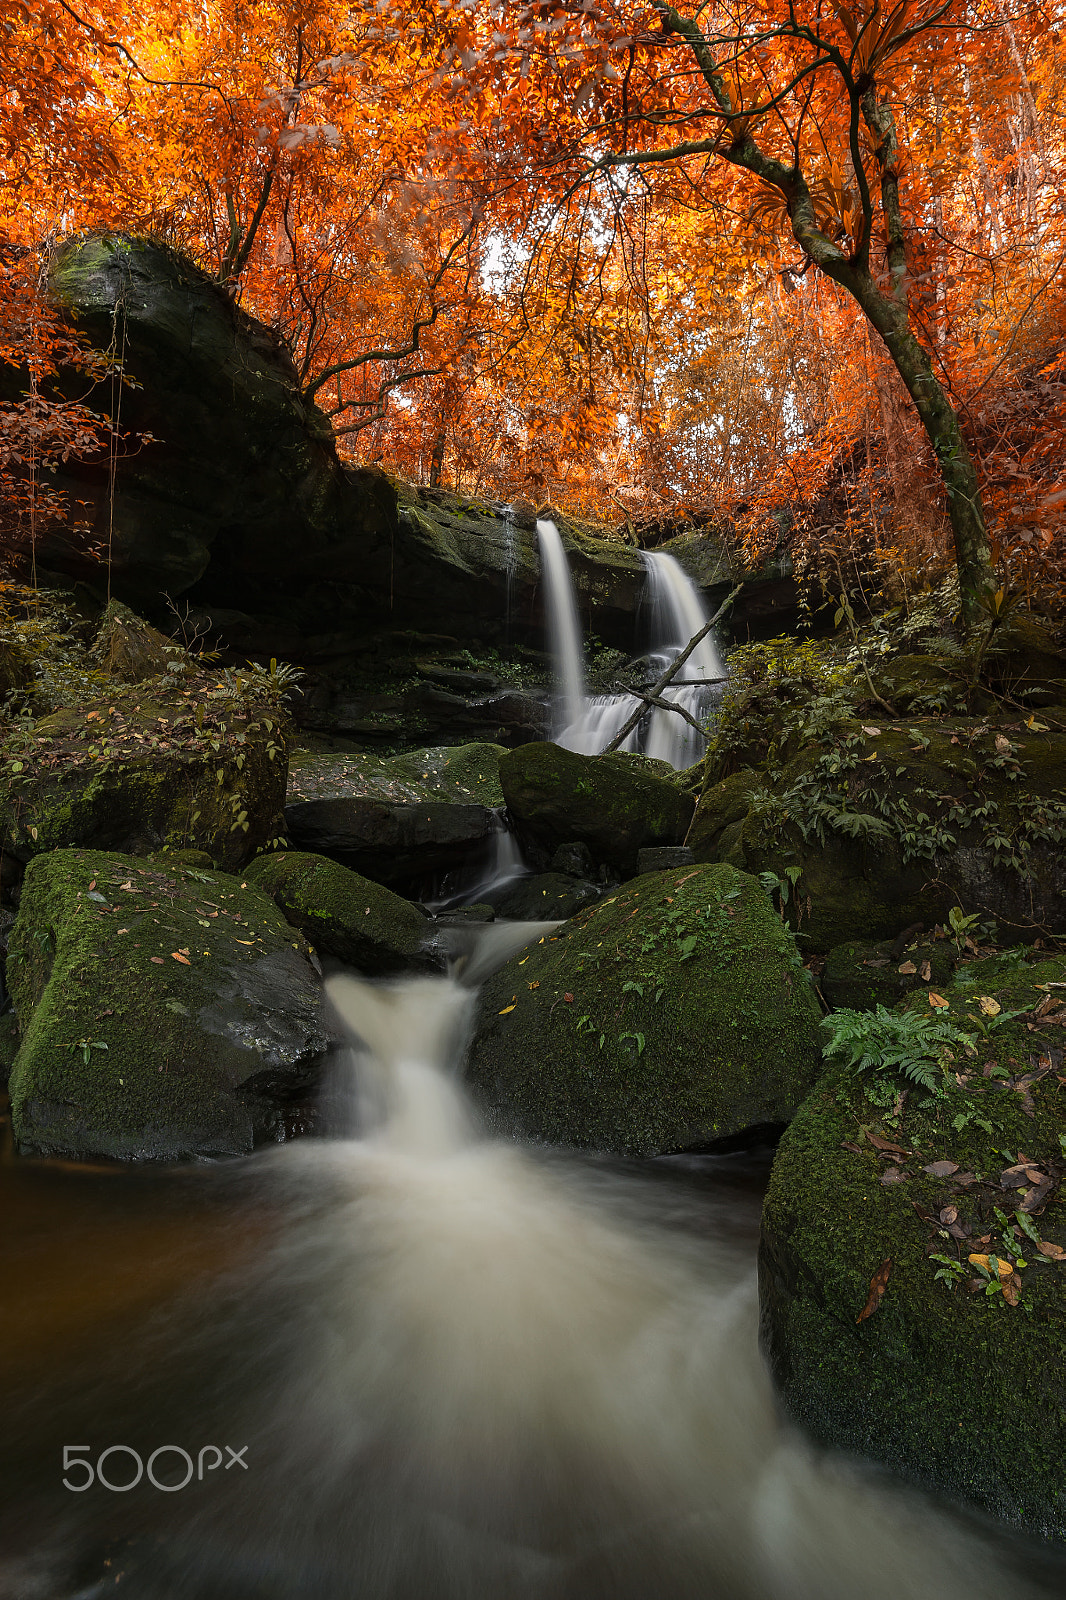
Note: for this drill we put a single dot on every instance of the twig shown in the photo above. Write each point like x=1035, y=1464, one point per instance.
x=670, y=672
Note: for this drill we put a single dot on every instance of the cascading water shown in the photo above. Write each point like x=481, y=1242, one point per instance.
x=564, y=631
x=677, y=615
x=460, y=1370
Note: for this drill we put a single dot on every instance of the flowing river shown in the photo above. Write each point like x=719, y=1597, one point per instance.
x=444, y=1369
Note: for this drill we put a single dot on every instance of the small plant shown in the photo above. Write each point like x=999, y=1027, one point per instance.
x=893, y=1045
x=962, y=926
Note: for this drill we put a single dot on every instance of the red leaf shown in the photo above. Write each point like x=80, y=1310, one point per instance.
x=878, y=1284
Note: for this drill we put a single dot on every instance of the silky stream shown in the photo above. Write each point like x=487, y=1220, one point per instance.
x=447, y=1369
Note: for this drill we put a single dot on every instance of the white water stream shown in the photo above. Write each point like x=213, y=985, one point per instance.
x=468, y=1371
x=676, y=614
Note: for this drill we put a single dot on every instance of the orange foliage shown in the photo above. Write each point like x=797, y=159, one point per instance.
x=450, y=212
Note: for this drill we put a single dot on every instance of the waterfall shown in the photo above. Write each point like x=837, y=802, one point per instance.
x=677, y=615
x=564, y=633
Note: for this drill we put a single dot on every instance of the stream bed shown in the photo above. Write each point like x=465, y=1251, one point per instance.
x=409, y=1363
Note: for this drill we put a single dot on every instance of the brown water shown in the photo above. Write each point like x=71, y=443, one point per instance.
x=461, y=1371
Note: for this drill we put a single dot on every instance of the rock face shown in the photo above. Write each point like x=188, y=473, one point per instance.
x=614, y=804
x=886, y=828
x=391, y=843
x=900, y=1384
x=672, y=1014
x=129, y=648
x=139, y=771
x=359, y=922
x=238, y=498
x=164, y=1015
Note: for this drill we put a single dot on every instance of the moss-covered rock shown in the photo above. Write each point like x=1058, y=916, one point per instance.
x=863, y=976
x=721, y=806
x=9, y=1044
x=1026, y=661
x=457, y=773
x=612, y=803
x=893, y=825
x=129, y=648
x=351, y=917
x=913, y=684
x=137, y=773
x=164, y=1015
x=673, y=1013
x=944, y=1380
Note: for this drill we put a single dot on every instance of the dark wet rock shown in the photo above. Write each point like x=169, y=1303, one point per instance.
x=664, y=857
x=861, y=976
x=509, y=718
x=614, y=804
x=9, y=1044
x=546, y=896
x=463, y=914
x=673, y=1013
x=391, y=843
x=459, y=679
x=900, y=1385
x=575, y=859
x=137, y=771
x=348, y=916
x=165, y=1015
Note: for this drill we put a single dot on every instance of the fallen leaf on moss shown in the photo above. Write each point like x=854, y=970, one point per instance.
x=996, y=1264
x=157, y=959
x=1054, y=1252
x=176, y=955
x=1012, y=1289
x=907, y=968
x=926, y=972
x=514, y=1002
x=878, y=1284
x=988, y=1005
x=940, y=1169
x=938, y=1002
x=892, y=1175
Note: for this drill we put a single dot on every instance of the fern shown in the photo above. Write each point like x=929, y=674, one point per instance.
x=896, y=1044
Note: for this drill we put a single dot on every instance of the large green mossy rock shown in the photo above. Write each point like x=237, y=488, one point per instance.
x=722, y=807
x=884, y=826
x=672, y=1014
x=350, y=917
x=143, y=771
x=615, y=804
x=459, y=773
x=949, y=1386
x=164, y=1015
x=862, y=976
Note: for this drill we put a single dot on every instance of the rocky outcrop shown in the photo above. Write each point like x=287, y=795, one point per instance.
x=234, y=494
x=913, y=1268
x=614, y=804
x=461, y=774
x=164, y=1015
x=670, y=1015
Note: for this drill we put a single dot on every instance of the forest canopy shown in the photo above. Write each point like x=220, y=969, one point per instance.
x=798, y=268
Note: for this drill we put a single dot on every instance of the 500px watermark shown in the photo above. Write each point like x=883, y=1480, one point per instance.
x=120, y=1467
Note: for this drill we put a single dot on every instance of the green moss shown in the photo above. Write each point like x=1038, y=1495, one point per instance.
x=674, y=1012
x=162, y=1012
x=899, y=825
x=958, y=1390
x=720, y=807
x=862, y=976
x=357, y=921
x=128, y=774
x=442, y=772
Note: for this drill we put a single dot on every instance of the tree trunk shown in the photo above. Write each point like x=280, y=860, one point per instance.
x=938, y=417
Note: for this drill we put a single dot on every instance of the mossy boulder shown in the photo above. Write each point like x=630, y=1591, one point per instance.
x=613, y=803
x=721, y=807
x=351, y=917
x=456, y=773
x=164, y=1015
x=1026, y=660
x=891, y=825
x=862, y=976
x=130, y=648
x=913, y=684
x=943, y=1379
x=137, y=773
x=670, y=1015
